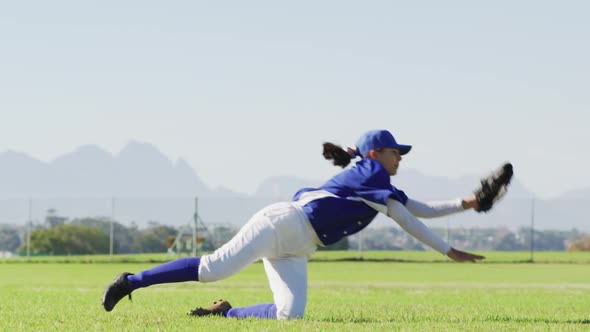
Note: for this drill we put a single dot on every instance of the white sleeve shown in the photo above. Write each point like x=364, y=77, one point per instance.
x=434, y=209
x=398, y=212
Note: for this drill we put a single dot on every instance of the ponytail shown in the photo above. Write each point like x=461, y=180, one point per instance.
x=337, y=154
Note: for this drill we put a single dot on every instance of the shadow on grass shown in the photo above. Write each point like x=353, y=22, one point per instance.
x=496, y=319
x=509, y=319
x=398, y=260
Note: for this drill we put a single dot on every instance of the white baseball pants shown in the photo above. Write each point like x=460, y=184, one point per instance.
x=283, y=238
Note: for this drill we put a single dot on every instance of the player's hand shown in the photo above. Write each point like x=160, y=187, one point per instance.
x=462, y=256
x=470, y=203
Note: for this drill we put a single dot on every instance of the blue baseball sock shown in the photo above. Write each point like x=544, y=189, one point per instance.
x=179, y=270
x=263, y=310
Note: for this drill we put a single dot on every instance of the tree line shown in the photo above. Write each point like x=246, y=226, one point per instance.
x=87, y=236
x=488, y=239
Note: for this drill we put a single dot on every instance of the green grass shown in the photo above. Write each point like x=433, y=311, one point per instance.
x=343, y=296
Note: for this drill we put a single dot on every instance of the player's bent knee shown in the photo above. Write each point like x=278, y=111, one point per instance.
x=281, y=316
x=290, y=313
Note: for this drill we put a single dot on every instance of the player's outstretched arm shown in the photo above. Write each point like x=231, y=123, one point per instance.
x=421, y=232
x=398, y=212
x=435, y=209
x=491, y=190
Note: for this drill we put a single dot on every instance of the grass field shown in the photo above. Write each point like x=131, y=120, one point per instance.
x=379, y=294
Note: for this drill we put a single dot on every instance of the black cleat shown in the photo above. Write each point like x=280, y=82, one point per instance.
x=217, y=308
x=118, y=289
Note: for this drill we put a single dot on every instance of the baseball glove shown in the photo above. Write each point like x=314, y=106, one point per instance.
x=493, y=188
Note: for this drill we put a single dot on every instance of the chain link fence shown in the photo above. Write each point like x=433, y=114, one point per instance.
x=158, y=224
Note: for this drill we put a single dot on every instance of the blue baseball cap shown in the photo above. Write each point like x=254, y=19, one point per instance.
x=379, y=139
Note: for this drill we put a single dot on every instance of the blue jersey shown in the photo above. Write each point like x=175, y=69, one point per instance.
x=340, y=207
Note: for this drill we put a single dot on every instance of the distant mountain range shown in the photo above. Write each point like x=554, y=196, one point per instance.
x=147, y=186
x=138, y=170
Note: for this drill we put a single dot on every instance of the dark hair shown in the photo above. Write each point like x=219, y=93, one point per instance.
x=337, y=154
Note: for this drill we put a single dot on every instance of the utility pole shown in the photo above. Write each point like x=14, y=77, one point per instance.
x=112, y=232
x=195, y=228
x=360, y=248
x=29, y=228
x=532, y=229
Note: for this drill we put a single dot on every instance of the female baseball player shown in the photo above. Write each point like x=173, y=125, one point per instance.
x=284, y=235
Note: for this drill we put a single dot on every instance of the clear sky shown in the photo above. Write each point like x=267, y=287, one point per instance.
x=244, y=90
